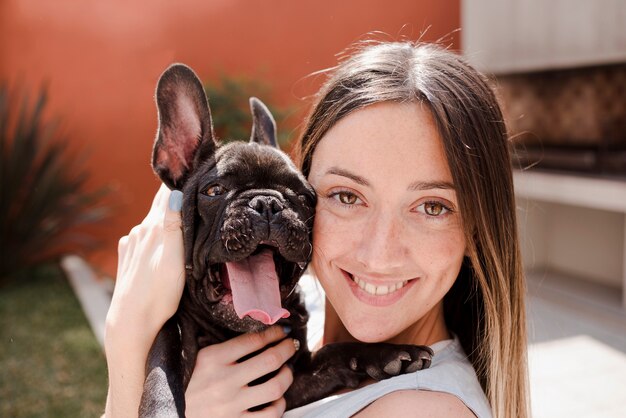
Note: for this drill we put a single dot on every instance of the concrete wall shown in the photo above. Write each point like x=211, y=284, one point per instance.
x=581, y=242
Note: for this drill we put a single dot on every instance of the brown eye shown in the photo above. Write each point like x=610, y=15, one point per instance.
x=215, y=190
x=347, y=198
x=434, y=208
x=305, y=200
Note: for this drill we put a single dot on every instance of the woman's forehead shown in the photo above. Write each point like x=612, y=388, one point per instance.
x=394, y=140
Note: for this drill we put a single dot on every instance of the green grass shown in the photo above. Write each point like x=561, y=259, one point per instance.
x=50, y=362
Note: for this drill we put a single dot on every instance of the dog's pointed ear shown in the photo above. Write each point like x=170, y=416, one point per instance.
x=263, y=125
x=185, y=127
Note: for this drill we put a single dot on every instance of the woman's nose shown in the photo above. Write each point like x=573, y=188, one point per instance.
x=381, y=248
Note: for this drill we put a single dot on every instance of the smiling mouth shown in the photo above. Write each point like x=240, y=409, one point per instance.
x=378, y=290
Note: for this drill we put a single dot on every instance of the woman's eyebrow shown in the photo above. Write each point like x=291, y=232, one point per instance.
x=429, y=185
x=415, y=186
x=345, y=173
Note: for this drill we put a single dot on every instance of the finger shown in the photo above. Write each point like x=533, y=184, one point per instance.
x=163, y=191
x=172, y=219
x=122, y=245
x=122, y=248
x=266, y=362
x=137, y=232
x=275, y=409
x=242, y=345
x=158, y=203
x=172, y=236
x=126, y=247
x=270, y=391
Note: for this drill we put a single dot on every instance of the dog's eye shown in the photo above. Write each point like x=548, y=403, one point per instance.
x=215, y=190
x=305, y=200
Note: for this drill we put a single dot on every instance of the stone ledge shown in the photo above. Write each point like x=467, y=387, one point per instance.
x=93, y=296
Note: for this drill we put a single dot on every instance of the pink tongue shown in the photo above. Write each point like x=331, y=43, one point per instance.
x=254, y=284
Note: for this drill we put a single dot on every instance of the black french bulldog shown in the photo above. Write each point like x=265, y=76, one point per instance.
x=247, y=218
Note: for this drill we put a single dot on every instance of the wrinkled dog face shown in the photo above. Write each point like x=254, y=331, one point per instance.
x=254, y=216
x=247, y=210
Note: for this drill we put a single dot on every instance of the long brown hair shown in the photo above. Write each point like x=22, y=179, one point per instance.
x=485, y=306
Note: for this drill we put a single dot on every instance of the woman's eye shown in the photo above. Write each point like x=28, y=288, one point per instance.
x=433, y=208
x=215, y=190
x=345, y=198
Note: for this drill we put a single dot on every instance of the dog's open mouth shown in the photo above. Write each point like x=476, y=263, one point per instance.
x=252, y=285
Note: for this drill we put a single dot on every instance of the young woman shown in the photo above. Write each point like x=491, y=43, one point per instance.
x=414, y=241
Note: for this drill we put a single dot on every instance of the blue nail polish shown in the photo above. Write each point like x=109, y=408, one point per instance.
x=286, y=329
x=176, y=200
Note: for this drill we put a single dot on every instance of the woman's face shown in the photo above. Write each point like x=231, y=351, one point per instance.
x=388, y=239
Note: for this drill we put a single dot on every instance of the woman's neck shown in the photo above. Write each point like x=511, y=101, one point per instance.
x=430, y=329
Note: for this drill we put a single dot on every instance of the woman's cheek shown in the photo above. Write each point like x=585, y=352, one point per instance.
x=333, y=226
x=324, y=230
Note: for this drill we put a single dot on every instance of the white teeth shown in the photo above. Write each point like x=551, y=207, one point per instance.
x=378, y=290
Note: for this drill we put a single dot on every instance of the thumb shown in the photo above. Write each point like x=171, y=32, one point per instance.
x=172, y=220
x=173, y=235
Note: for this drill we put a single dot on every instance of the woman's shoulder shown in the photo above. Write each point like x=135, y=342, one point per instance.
x=424, y=403
x=452, y=374
x=448, y=388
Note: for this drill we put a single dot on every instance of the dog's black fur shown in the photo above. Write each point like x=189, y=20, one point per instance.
x=239, y=198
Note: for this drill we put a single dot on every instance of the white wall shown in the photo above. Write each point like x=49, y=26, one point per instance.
x=582, y=242
x=501, y=36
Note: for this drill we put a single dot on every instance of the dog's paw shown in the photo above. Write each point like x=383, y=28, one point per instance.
x=382, y=361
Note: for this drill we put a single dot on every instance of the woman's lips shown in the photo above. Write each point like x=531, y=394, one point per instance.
x=377, y=294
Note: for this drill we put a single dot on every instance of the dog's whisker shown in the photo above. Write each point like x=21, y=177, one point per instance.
x=310, y=255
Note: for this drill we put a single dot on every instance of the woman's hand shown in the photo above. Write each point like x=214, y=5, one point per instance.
x=149, y=284
x=150, y=271
x=219, y=385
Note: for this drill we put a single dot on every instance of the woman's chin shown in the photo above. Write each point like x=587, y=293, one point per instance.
x=368, y=333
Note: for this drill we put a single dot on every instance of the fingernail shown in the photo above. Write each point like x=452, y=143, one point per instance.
x=286, y=329
x=176, y=200
x=296, y=344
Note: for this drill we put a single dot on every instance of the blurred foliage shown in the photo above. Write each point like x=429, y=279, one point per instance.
x=230, y=107
x=44, y=207
x=51, y=364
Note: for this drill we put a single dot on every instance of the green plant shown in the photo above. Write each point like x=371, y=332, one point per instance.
x=230, y=109
x=44, y=208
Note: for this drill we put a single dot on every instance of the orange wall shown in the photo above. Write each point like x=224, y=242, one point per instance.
x=102, y=59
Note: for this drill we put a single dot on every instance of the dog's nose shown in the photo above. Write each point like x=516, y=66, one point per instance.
x=266, y=205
